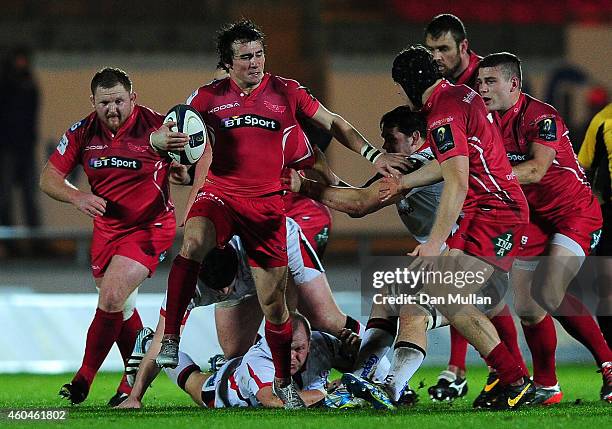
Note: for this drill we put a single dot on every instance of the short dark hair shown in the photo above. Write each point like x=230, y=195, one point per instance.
x=242, y=31
x=444, y=23
x=299, y=319
x=405, y=120
x=509, y=63
x=219, y=267
x=109, y=77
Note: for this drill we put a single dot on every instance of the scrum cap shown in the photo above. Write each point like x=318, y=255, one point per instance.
x=415, y=70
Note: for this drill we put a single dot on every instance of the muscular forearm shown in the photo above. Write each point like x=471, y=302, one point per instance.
x=528, y=172
x=426, y=175
x=269, y=400
x=355, y=202
x=451, y=202
x=148, y=370
x=346, y=134
x=56, y=186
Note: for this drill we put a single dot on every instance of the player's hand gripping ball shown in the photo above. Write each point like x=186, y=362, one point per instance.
x=188, y=121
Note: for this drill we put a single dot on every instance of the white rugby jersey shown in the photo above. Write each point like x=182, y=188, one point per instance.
x=417, y=209
x=239, y=388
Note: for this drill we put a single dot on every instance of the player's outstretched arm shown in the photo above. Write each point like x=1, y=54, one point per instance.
x=385, y=163
x=147, y=370
x=356, y=202
x=54, y=184
x=269, y=400
x=533, y=170
x=391, y=187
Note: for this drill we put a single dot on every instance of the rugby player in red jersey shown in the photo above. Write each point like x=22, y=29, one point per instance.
x=565, y=218
x=129, y=202
x=446, y=38
x=250, y=115
x=480, y=193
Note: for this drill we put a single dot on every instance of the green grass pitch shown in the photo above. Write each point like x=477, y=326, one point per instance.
x=166, y=407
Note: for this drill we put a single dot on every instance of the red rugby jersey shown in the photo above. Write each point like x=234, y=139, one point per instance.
x=121, y=168
x=458, y=124
x=564, y=188
x=252, y=134
x=469, y=75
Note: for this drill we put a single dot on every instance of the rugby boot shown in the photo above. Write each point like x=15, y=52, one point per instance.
x=606, y=389
x=448, y=388
x=547, y=395
x=490, y=390
x=76, y=391
x=117, y=399
x=288, y=395
x=168, y=355
x=131, y=368
x=368, y=391
x=512, y=397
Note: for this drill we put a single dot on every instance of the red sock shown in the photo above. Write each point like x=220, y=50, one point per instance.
x=124, y=387
x=458, y=349
x=125, y=342
x=542, y=341
x=127, y=336
x=102, y=333
x=504, y=324
x=506, y=366
x=578, y=322
x=279, y=339
x=181, y=288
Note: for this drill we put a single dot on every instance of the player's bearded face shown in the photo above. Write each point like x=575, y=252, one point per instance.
x=113, y=105
x=299, y=349
x=247, y=68
x=446, y=53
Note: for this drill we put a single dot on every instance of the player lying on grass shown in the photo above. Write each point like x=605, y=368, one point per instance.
x=246, y=381
x=226, y=282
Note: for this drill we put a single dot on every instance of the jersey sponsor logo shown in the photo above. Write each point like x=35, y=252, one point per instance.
x=514, y=157
x=443, y=138
x=547, y=129
x=276, y=108
x=115, y=162
x=442, y=121
x=503, y=244
x=137, y=148
x=96, y=147
x=223, y=107
x=368, y=365
x=62, y=145
x=250, y=120
x=469, y=97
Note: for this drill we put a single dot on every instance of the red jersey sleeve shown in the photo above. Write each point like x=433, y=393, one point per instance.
x=305, y=102
x=545, y=129
x=447, y=131
x=67, y=155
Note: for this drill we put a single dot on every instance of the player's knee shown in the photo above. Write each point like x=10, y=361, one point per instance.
x=195, y=247
x=111, y=300
x=547, y=298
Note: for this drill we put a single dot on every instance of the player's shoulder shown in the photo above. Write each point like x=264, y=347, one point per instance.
x=286, y=85
x=323, y=341
x=210, y=89
x=81, y=125
x=535, y=110
x=149, y=115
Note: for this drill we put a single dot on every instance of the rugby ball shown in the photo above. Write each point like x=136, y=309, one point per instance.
x=188, y=121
